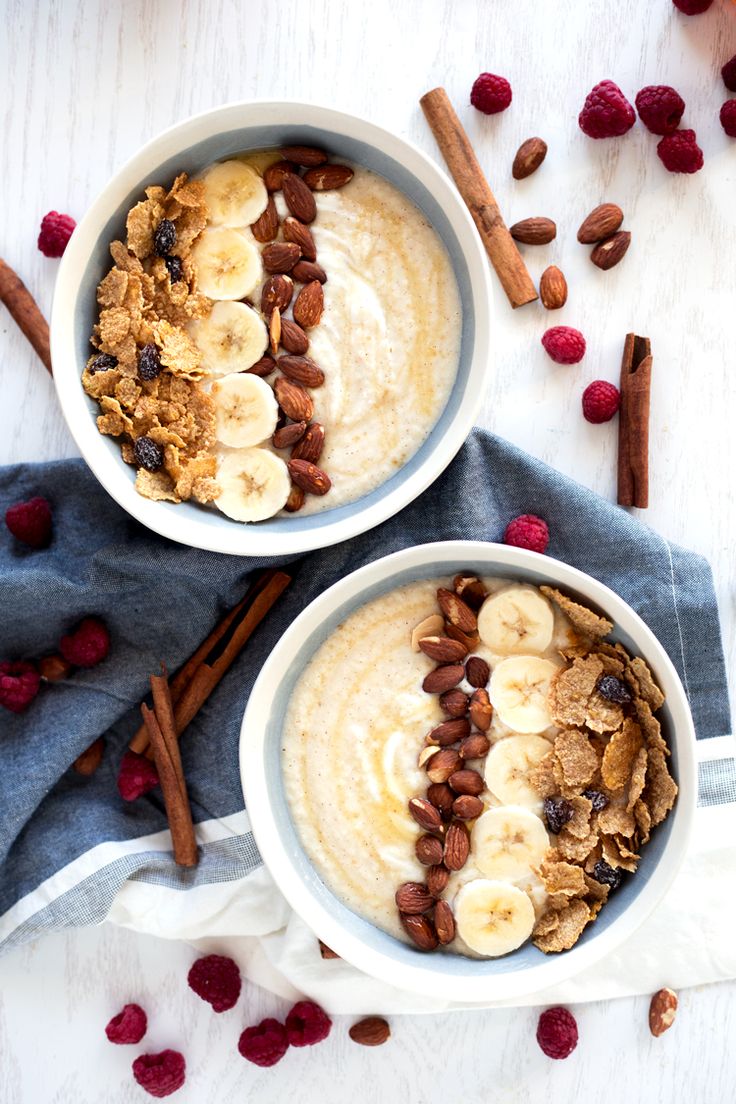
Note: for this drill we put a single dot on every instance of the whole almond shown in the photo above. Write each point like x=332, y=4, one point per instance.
x=466, y=781
x=302, y=369
x=420, y=930
x=413, y=898
x=454, y=702
x=277, y=292
x=443, y=678
x=266, y=226
x=299, y=198
x=295, y=501
x=471, y=590
x=425, y=814
x=477, y=672
x=600, y=223
x=306, y=156
x=467, y=807
x=328, y=177
x=553, y=288
x=263, y=367
x=428, y=850
x=457, y=846
x=529, y=157
x=612, y=250
x=274, y=175
x=449, y=732
x=442, y=797
x=280, y=256
x=456, y=611
x=372, y=1031
x=437, y=878
x=293, y=337
x=295, y=402
x=481, y=710
x=309, y=304
x=311, y=445
x=54, y=668
x=446, y=762
x=288, y=435
x=274, y=330
x=534, y=231
x=87, y=763
x=475, y=746
x=469, y=641
x=304, y=271
x=295, y=231
x=662, y=1011
x=442, y=649
x=309, y=477
x=444, y=922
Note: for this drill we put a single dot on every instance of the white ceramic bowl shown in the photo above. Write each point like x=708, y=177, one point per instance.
x=451, y=976
x=190, y=146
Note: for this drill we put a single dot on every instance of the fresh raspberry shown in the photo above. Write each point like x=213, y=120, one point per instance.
x=136, y=776
x=88, y=645
x=564, y=344
x=680, y=153
x=728, y=72
x=265, y=1044
x=527, y=531
x=129, y=1026
x=19, y=683
x=160, y=1074
x=601, y=400
x=307, y=1024
x=56, y=231
x=606, y=112
x=728, y=118
x=30, y=522
x=557, y=1032
x=490, y=94
x=692, y=7
x=660, y=108
x=216, y=979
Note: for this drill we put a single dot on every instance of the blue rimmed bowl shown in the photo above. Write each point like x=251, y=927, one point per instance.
x=191, y=146
x=444, y=975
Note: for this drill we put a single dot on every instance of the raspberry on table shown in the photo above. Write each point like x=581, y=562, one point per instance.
x=216, y=979
x=307, y=1024
x=606, y=112
x=160, y=1074
x=680, y=152
x=601, y=401
x=660, y=108
x=88, y=645
x=265, y=1044
x=564, y=344
x=692, y=7
x=728, y=118
x=19, y=684
x=30, y=522
x=136, y=776
x=129, y=1026
x=557, y=1032
x=527, y=531
x=728, y=72
x=56, y=230
x=490, y=93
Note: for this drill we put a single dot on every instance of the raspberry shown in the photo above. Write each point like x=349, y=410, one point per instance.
x=265, y=1044
x=490, y=94
x=601, y=400
x=129, y=1026
x=557, y=812
x=56, y=231
x=19, y=683
x=527, y=531
x=216, y=979
x=30, y=522
x=606, y=112
x=564, y=344
x=728, y=118
x=136, y=776
x=88, y=645
x=160, y=1074
x=660, y=108
x=692, y=7
x=680, y=153
x=148, y=454
x=728, y=72
x=557, y=1032
x=307, y=1024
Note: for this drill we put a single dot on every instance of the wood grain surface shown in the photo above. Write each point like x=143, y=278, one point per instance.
x=86, y=82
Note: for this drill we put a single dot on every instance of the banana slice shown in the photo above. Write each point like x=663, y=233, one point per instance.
x=254, y=484
x=508, y=842
x=517, y=619
x=234, y=193
x=228, y=264
x=231, y=338
x=518, y=690
x=507, y=770
x=246, y=410
x=493, y=917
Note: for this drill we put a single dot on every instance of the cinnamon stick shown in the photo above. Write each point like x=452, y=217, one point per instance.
x=633, y=427
x=25, y=311
x=460, y=158
x=159, y=723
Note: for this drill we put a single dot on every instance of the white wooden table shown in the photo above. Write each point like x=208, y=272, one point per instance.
x=87, y=81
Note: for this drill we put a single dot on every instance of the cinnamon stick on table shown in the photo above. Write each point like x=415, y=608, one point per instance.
x=159, y=723
x=633, y=426
x=458, y=153
x=24, y=309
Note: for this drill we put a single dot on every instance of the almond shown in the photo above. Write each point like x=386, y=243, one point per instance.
x=87, y=763
x=413, y=898
x=456, y=611
x=610, y=251
x=553, y=288
x=442, y=649
x=299, y=198
x=309, y=304
x=372, y=1031
x=442, y=797
x=309, y=477
x=475, y=746
x=457, y=846
x=54, y=668
x=454, y=702
x=467, y=807
x=274, y=330
x=280, y=256
x=295, y=231
x=274, y=175
x=288, y=435
x=662, y=1011
x=437, y=878
x=477, y=672
x=304, y=271
x=481, y=710
x=428, y=850
x=295, y=501
x=311, y=445
x=421, y=931
x=428, y=626
x=263, y=367
x=293, y=337
x=534, y=231
x=328, y=177
x=529, y=157
x=277, y=292
x=295, y=402
x=469, y=641
x=425, y=814
x=446, y=762
x=302, y=369
x=449, y=732
x=443, y=678
x=471, y=590
x=444, y=922
x=325, y=951
x=466, y=781
x=306, y=156
x=600, y=223
x=426, y=754
x=266, y=227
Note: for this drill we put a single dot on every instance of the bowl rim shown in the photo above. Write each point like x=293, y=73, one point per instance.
x=237, y=538
x=419, y=977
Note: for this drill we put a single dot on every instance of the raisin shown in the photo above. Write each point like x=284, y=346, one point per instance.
x=149, y=362
x=606, y=875
x=103, y=362
x=557, y=811
x=164, y=239
x=598, y=799
x=148, y=454
x=613, y=690
x=176, y=272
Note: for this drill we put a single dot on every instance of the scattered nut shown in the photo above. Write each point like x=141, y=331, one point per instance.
x=534, y=231
x=553, y=288
x=529, y=157
x=612, y=250
x=600, y=223
x=372, y=1031
x=662, y=1011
